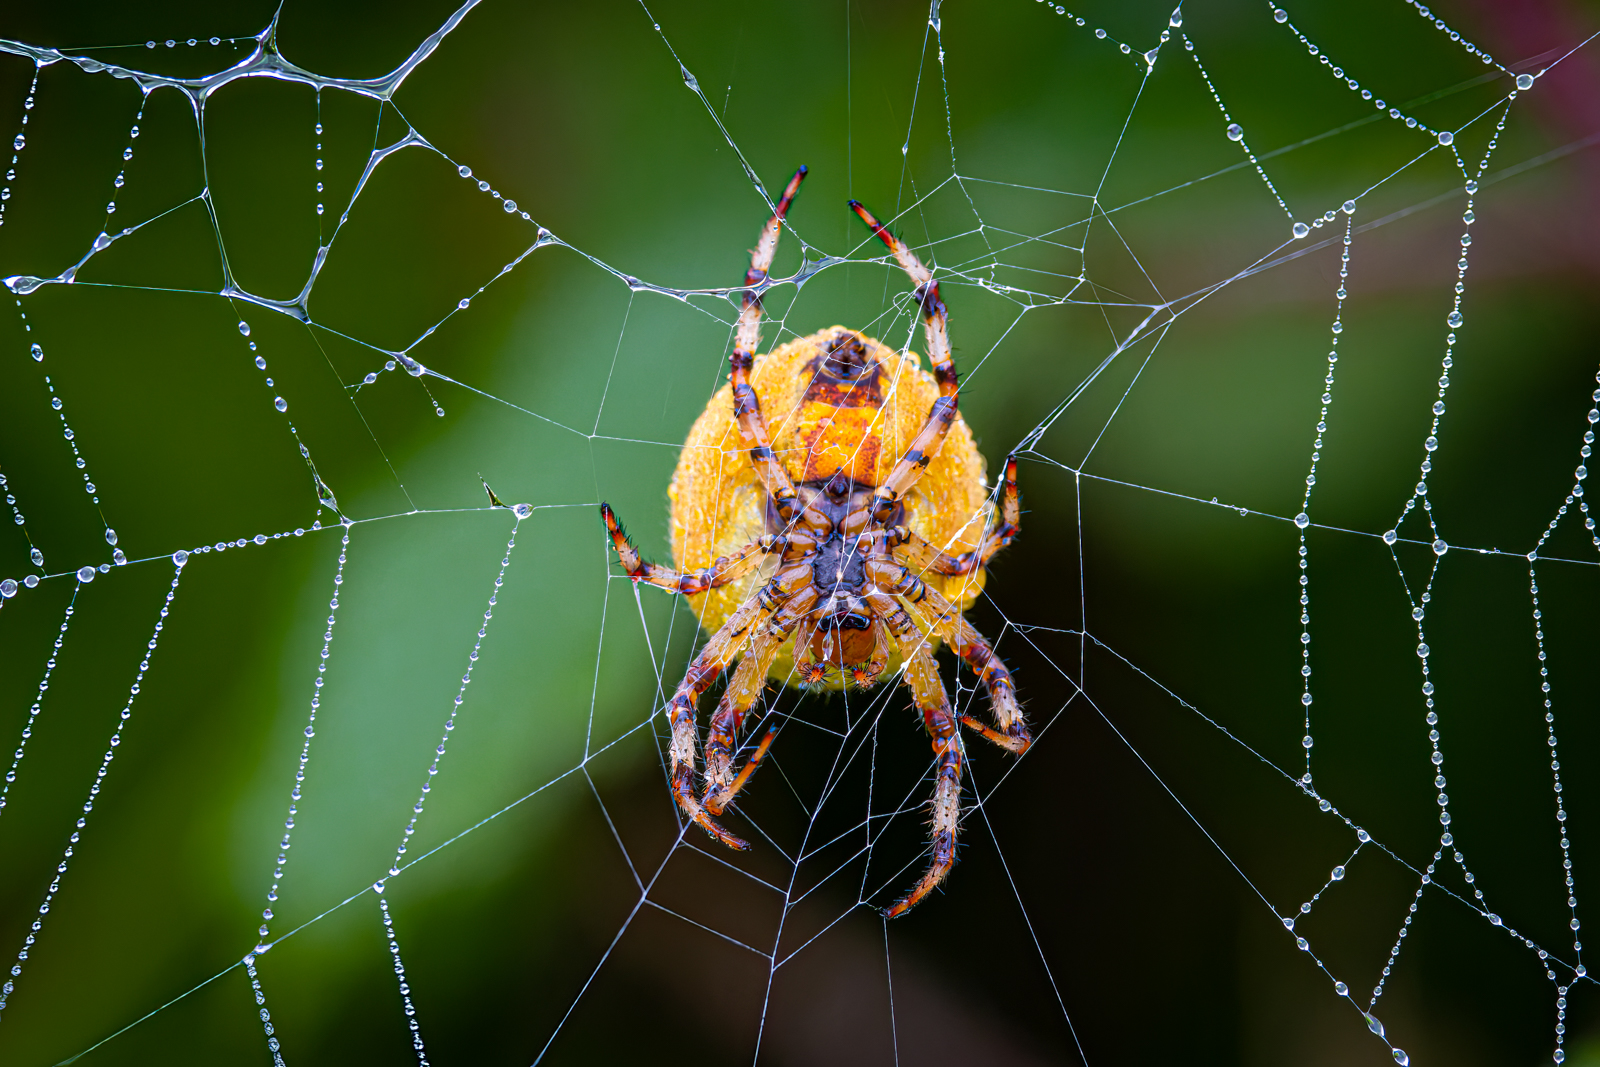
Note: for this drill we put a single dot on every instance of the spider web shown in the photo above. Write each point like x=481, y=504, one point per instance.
x=323, y=754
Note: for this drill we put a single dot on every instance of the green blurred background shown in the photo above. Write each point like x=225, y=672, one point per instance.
x=1111, y=900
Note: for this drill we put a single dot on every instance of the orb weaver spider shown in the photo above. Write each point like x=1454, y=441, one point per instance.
x=816, y=555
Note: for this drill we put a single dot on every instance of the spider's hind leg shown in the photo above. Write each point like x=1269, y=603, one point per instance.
x=922, y=677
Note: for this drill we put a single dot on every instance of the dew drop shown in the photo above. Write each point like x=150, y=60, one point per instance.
x=1280, y=15
x=1446, y=137
x=1400, y=1057
x=37, y=557
x=1374, y=1025
x=1340, y=988
x=180, y=557
x=280, y=403
x=1454, y=319
x=1439, y=547
x=465, y=172
x=522, y=511
x=464, y=303
x=37, y=353
x=1524, y=81
x=510, y=206
x=1349, y=207
x=1100, y=34
x=1302, y=520
x=1176, y=18
x=244, y=327
x=8, y=588
x=1300, y=230
x=85, y=574
x=1390, y=537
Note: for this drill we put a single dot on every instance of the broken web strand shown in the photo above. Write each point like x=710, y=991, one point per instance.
x=84, y=577
x=38, y=700
x=1303, y=519
x=521, y=511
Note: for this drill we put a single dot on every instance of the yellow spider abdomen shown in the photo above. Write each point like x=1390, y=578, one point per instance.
x=819, y=426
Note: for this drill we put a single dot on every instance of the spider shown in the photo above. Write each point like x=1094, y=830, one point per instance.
x=816, y=555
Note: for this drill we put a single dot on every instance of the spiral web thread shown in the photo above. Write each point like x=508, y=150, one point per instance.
x=1339, y=227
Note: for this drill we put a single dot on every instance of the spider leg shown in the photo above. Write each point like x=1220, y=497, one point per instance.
x=936, y=325
x=922, y=678
x=746, y=685
x=811, y=671
x=927, y=557
x=723, y=569
x=946, y=620
x=746, y=407
x=703, y=670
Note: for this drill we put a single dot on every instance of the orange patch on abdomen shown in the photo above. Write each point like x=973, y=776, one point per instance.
x=840, y=438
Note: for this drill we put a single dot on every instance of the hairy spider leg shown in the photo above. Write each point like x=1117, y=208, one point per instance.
x=929, y=557
x=723, y=569
x=942, y=414
x=921, y=676
x=946, y=620
x=749, y=331
x=806, y=665
x=753, y=432
x=749, y=679
x=703, y=670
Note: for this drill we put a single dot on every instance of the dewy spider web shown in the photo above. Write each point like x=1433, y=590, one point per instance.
x=836, y=815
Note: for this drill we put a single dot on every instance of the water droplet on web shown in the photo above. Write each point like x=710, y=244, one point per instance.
x=20, y=143
x=1446, y=137
x=180, y=557
x=1401, y=1058
x=37, y=557
x=244, y=327
x=1301, y=229
x=1524, y=81
x=1338, y=874
x=1472, y=187
x=1454, y=319
x=1235, y=132
x=85, y=574
x=465, y=172
x=8, y=588
x=464, y=303
x=1390, y=537
x=369, y=379
x=1340, y=988
x=689, y=80
x=522, y=511
x=1439, y=547
x=1302, y=520
x=37, y=353
x=1280, y=15
x=1176, y=18
x=510, y=206
x=280, y=403
x=1100, y=34
x=1374, y=1025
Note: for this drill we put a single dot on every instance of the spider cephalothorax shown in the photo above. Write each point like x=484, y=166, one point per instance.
x=813, y=507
